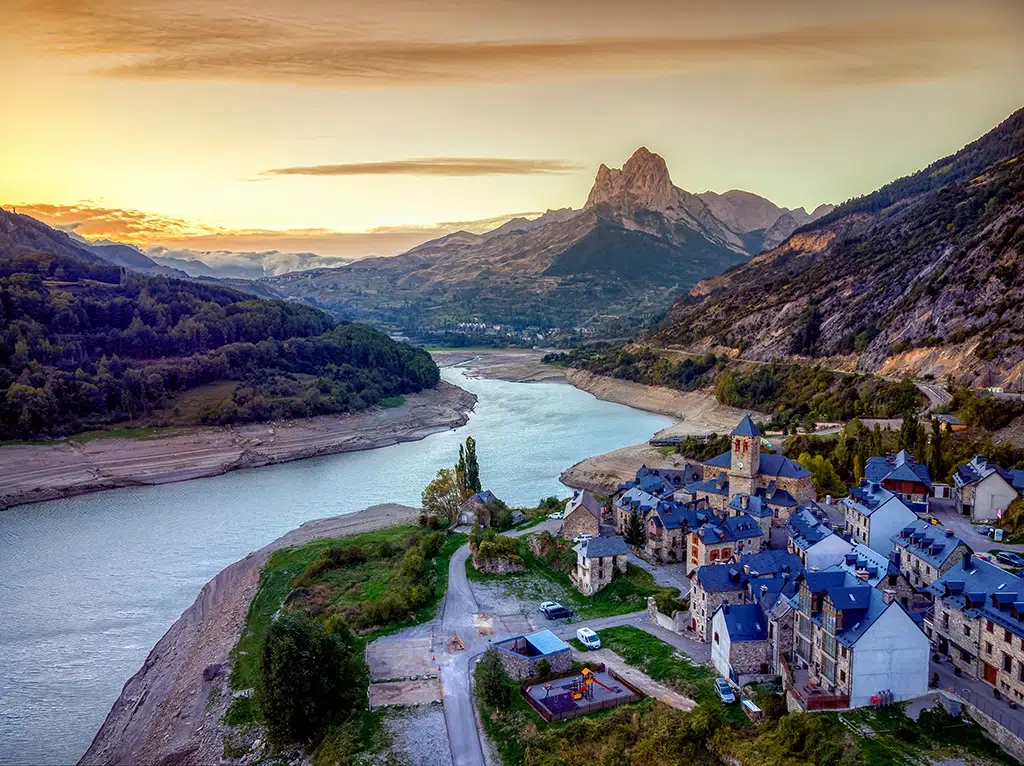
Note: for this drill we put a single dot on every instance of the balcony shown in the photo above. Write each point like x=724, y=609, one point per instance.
x=808, y=695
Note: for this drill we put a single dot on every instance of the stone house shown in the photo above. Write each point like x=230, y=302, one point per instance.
x=924, y=553
x=874, y=514
x=520, y=655
x=582, y=515
x=722, y=537
x=981, y=489
x=755, y=507
x=474, y=509
x=597, y=562
x=812, y=539
x=743, y=469
x=743, y=580
x=851, y=643
x=978, y=623
x=668, y=522
x=739, y=642
x=902, y=475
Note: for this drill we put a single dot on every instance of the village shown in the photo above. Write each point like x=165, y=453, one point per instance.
x=883, y=596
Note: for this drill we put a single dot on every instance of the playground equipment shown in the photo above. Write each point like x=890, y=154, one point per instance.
x=583, y=686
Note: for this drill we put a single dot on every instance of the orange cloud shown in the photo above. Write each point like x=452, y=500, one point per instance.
x=434, y=166
x=148, y=230
x=394, y=44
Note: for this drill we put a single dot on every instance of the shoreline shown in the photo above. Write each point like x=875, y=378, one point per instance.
x=36, y=473
x=164, y=712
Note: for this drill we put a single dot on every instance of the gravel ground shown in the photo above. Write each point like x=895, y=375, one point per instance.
x=419, y=736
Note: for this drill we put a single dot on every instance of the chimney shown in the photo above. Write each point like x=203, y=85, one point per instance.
x=968, y=564
x=746, y=569
x=764, y=591
x=949, y=533
x=888, y=596
x=744, y=500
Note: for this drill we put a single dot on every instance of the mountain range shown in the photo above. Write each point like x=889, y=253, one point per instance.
x=923, y=276
x=636, y=243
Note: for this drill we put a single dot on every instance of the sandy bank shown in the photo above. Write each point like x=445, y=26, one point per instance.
x=164, y=713
x=699, y=413
x=31, y=473
x=514, y=365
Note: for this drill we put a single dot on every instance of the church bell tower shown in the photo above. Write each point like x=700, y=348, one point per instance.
x=744, y=472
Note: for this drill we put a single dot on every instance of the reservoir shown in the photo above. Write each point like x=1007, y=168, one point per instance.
x=89, y=584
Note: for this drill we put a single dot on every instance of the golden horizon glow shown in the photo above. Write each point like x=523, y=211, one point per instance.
x=369, y=127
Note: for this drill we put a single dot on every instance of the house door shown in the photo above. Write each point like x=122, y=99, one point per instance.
x=989, y=673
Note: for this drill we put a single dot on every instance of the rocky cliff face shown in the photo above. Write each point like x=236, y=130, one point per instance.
x=925, y=275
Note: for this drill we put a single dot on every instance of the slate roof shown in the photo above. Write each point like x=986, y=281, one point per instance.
x=926, y=541
x=719, y=578
x=582, y=497
x=899, y=467
x=729, y=529
x=746, y=427
x=769, y=465
x=636, y=499
x=483, y=498
x=677, y=477
x=756, y=506
x=772, y=562
x=950, y=419
x=981, y=468
x=766, y=568
x=806, y=529
x=870, y=563
x=868, y=498
x=859, y=603
x=744, y=622
x=717, y=485
x=979, y=588
x=597, y=547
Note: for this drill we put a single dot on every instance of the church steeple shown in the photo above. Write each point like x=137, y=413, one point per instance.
x=746, y=457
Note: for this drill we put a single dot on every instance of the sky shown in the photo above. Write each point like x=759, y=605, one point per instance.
x=368, y=126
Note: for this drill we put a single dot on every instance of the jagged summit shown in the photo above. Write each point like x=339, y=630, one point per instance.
x=643, y=181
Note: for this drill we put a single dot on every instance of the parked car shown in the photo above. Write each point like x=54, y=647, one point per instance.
x=725, y=692
x=582, y=538
x=1011, y=559
x=987, y=531
x=557, y=515
x=555, y=611
x=588, y=638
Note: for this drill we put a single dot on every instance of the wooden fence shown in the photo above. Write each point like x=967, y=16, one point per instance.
x=635, y=695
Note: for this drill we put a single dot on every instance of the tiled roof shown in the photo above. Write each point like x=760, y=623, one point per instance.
x=898, y=467
x=932, y=545
x=805, y=528
x=744, y=622
x=718, y=578
x=769, y=465
x=746, y=427
x=979, y=588
x=729, y=529
x=597, y=547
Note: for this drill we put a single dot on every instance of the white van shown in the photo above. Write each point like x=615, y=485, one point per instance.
x=588, y=638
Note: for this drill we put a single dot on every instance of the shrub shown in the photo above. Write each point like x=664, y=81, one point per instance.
x=490, y=681
x=337, y=557
x=309, y=679
x=543, y=668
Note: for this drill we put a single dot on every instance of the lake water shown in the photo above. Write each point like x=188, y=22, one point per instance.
x=89, y=584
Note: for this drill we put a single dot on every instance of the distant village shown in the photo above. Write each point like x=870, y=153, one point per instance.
x=860, y=602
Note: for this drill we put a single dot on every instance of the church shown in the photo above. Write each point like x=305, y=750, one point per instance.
x=778, y=482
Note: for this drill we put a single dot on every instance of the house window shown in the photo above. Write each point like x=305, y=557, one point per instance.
x=892, y=579
x=716, y=636
x=988, y=647
x=989, y=626
x=828, y=669
x=842, y=675
x=945, y=620
x=771, y=630
x=967, y=630
x=842, y=652
x=726, y=552
x=1007, y=636
x=1007, y=663
x=964, y=656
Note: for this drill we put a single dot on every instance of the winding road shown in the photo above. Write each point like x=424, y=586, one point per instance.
x=459, y=616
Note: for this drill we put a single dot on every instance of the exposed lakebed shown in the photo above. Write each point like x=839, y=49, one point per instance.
x=89, y=584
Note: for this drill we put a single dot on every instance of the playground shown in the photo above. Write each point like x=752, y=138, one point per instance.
x=583, y=691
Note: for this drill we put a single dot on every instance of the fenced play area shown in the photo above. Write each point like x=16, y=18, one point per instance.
x=579, y=692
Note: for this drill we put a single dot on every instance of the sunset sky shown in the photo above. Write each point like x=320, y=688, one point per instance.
x=366, y=126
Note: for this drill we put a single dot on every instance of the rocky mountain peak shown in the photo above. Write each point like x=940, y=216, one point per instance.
x=643, y=181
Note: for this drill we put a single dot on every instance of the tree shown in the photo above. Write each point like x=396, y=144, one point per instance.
x=936, y=460
x=490, y=681
x=472, y=472
x=309, y=678
x=908, y=433
x=635, y=532
x=858, y=468
x=444, y=495
x=823, y=473
x=544, y=668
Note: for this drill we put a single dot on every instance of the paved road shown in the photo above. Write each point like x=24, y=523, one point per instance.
x=945, y=512
x=458, y=616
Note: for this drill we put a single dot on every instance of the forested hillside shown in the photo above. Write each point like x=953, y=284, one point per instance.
x=85, y=343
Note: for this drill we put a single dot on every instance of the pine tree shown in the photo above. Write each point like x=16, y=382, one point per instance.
x=936, y=461
x=472, y=467
x=635, y=532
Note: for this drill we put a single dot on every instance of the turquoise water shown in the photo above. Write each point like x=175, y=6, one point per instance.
x=89, y=584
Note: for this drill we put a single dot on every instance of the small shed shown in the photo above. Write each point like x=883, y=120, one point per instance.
x=521, y=654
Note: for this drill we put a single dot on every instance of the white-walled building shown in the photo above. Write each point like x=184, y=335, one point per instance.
x=981, y=489
x=812, y=539
x=874, y=514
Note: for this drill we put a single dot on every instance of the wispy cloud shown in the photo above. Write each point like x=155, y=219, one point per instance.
x=270, y=42
x=149, y=230
x=434, y=166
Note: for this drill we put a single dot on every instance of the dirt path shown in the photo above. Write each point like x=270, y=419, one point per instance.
x=164, y=714
x=31, y=473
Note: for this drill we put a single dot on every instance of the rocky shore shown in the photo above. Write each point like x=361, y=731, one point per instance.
x=169, y=712
x=32, y=473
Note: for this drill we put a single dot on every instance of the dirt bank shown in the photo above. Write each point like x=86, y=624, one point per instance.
x=515, y=365
x=166, y=713
x=32, y=473
x=698, y=413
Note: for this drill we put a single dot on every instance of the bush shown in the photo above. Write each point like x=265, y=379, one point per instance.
x=338, y=557
x=491, y=683
x=543, y=668
x=309, y=679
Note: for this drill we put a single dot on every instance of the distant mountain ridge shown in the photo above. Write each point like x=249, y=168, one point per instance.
x=637, y=241
x=923, y=276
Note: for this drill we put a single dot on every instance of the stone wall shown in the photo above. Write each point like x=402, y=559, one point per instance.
x=499, y=566
x=520, y=668
x=580, y=522
x=749, y=657
x=702, y=604
x=1006, y=739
